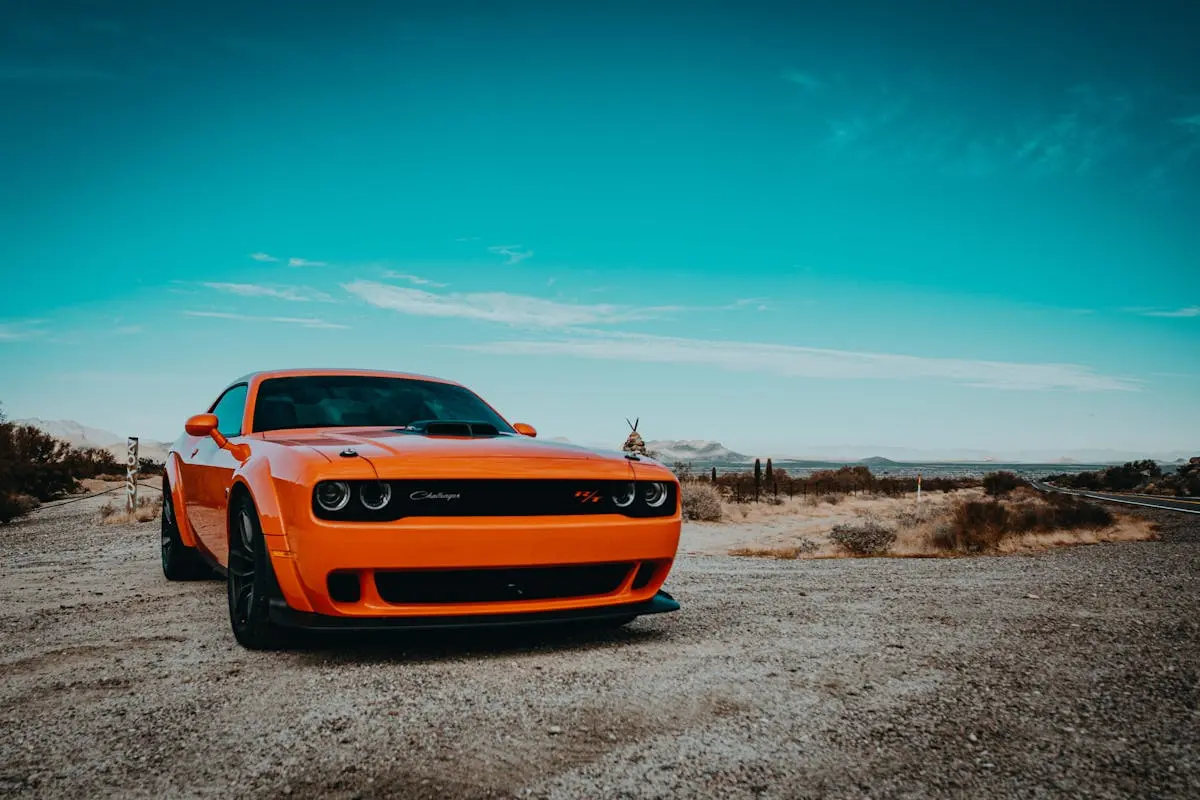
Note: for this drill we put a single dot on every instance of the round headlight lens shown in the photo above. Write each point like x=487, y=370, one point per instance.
x=375, y=495
x=623, y=495
x=655, y=494
x=333, y=495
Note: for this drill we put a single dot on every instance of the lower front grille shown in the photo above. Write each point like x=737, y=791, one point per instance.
x=497, y=585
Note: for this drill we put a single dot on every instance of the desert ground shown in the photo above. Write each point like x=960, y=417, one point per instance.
x=1048, y=673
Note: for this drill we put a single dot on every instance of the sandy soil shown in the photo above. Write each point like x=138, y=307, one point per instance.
x=1065, y=673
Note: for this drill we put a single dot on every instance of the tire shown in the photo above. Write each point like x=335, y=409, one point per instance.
x=250, y=582
x=179, y=562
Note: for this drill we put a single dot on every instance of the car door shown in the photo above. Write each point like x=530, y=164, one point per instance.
x=208, y=474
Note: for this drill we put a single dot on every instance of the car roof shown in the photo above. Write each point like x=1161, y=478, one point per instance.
x=261, y=375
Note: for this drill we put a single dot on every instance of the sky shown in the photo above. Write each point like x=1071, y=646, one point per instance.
x=785, y=227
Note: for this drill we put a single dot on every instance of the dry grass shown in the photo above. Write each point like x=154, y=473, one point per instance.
x=800, y=528
x=148, y=509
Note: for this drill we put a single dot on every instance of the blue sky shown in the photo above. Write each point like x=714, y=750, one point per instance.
x=930, y=226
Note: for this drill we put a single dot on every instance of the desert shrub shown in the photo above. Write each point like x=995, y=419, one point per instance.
x=980, y=526
x=147, y=509
x=15, y=505
x=868, y=537
x=943, y=536
x=148, y=466
x=977, y=526
x=701, y=502
x=999, y=484
x=1074, y=513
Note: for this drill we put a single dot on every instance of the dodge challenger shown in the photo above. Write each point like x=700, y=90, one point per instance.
x=349, y=499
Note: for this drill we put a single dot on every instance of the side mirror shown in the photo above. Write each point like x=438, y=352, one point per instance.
x=206, y=425
x=525, y=430
x=201, y=425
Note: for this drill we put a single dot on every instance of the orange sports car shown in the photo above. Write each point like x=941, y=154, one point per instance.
x=344, y=499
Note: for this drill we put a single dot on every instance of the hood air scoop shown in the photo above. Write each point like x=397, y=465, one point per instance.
x=445, y=427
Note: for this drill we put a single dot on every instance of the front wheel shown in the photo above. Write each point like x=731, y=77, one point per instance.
x=251, y=581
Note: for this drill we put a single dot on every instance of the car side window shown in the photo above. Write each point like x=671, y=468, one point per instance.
x=230, y=408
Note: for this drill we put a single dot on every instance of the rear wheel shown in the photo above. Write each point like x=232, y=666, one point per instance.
x=251, y=581
x=179, y=562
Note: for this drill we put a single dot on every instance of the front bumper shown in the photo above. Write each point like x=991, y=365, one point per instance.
x=287, y=617
x=313, y=550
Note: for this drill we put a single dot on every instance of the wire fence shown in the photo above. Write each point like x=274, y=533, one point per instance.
x=120, y=488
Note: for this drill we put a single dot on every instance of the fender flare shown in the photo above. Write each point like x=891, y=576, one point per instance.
x=173, y=470
x=254, y=477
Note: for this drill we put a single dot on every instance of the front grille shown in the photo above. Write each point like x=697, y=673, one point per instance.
x=501, y=498
x=497, y=585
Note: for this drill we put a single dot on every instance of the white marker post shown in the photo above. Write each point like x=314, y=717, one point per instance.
x=918, y=494
x=131, y=472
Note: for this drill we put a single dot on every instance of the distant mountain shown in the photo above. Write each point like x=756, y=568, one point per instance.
x=71, y=431
x=878, y=461
x=693, y=450
x=77, y=435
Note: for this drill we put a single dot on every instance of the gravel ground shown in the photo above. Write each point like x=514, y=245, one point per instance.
x=1071, y=673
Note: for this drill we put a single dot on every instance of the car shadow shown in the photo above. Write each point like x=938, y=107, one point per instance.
x=475, y=643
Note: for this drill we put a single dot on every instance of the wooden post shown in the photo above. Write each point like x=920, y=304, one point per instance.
x=131, y=472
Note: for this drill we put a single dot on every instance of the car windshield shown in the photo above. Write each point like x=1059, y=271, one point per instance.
x=328, y=401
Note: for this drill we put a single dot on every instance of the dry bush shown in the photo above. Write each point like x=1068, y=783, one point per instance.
x=1001, y=484
x=868, y=537
x=148, y=508
x=701, y=502
x=15, y=505
x=832, y=499
x=977, y=527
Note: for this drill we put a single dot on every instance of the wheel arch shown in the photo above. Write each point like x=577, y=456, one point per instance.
x=173, y=473
x=255, y=482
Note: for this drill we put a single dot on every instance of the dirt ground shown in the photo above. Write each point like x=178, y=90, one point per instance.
x=1071, y=672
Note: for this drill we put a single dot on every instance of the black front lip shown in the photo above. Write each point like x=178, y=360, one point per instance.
x=284, y=616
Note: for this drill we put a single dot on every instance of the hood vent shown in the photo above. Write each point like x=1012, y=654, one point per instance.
x=431, y=427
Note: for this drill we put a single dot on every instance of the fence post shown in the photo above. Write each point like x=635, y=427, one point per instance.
x=131, y=472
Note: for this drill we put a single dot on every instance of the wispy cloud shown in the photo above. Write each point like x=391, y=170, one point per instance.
x=509, y=309
x=306, y=322
x=513, y=252
x=416, y=280
x=1192, y=123
x=295, y=294
x=818, y=363
x=304, y=262
x=805, y=80
x=263, y=257
x=20, y=331
x=1189, y=311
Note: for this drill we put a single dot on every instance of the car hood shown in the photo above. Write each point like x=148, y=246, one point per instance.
x=378, y=444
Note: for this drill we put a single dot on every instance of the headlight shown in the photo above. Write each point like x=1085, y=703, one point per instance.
x=655, y=494
x=623, y=495
x=374, y=495
x=333, y=495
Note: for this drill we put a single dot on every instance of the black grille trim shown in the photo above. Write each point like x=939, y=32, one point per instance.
x=501, y=498
x=437, y=586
